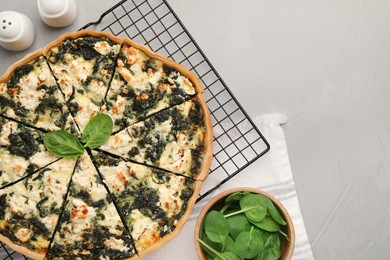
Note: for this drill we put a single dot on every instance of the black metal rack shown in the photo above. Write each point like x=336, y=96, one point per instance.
x=237, y=141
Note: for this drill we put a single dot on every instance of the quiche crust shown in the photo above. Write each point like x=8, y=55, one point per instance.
x=208, y=139
x=23, y=250
x=29, y=57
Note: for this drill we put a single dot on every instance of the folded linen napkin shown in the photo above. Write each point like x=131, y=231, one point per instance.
x=271, y=173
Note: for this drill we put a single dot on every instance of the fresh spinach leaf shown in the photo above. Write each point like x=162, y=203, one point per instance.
x=232, y=200
x=202, y=233
x=229, y=245
x=233, y=207
x=213, y=245
x=236, y=196
x=272, y=248
x=97, y=131
x=274, y=213
x=253, y=231
x=249, y=244
x=227, y=256
x=216, y=227
x=268, y=224
x=219, y=255
x=225, y=207
x=237, y=224
x=63, y=144
x=255, y=206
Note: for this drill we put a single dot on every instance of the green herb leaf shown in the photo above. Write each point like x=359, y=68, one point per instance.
x=230, y=208
x=272, y=248
x=215, y=247
x=204, y=245
x=227, y=256
x=236, y=196
x=268, y=224
x=254, y=206
x=97, y=131
x=216, y=227
x=225, y=207
x=249, y=244
x=274, y=212
x=237, y=224
x=254, y=229
x=229, y=245
x=63, y=144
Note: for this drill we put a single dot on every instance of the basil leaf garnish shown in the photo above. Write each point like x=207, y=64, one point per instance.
x=97, y=131
x=63, y=144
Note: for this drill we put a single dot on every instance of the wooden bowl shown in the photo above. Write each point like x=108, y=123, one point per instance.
x=217, y=203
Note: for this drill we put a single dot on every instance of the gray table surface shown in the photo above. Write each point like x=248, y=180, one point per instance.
x=326, y=64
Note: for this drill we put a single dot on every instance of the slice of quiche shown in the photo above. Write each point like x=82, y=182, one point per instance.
x=29, y=209
x=83, y=64
x=146, y=82
x=154, y=203
x=90, y=226
x=21, y=151
x=29, y=94
x=177, y=139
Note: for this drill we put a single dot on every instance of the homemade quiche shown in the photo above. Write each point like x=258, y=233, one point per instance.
x=129, y=196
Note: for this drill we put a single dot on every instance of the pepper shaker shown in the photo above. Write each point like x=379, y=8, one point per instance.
x=57, y=13
x=16, y=31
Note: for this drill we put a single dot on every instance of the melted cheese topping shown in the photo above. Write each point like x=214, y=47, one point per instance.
x=7, y=129
x=104, y=48
x=13, y=167
x=30, y=92
x=23, y=234
x=42, y=191
x=115, y=177
x=176, y=156
x=145, y=231
x=143, y=81
x=176, y=159
x=29, y=95
x=86, y=216
x=43, y=158
x=170, y=201
x=118, y=143
x=71, y=73
x=86, y=111
x=84, y=83
x=126, y=176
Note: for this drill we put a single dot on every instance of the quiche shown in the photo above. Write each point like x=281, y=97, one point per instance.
x=31, y=207
x=172, y=140
x=22, y=151
x=145, y=84
x=83, y=66
x=29, y=94
x=127, y=197
x=90, y=224
x=151, y=200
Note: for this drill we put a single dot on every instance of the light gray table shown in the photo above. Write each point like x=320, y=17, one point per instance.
x=324, y=63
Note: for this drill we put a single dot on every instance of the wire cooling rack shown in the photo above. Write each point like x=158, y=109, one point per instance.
x=237, y=141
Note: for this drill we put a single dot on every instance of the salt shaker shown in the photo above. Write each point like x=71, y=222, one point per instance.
x=57, y=13
x=16, y=31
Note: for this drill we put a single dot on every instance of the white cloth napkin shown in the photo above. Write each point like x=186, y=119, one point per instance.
x=271, y=173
